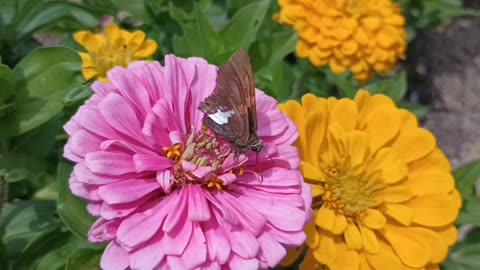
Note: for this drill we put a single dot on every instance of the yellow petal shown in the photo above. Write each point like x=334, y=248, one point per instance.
x=87, y=61
x=393, y=168
x=336, y=66
x=292, y=255
x=340, y=224
x=326, y=251
x=313, y=239
x=386, y=259
x=296, y=112
x=435, y=210
x=148, y=48
x=89, y=73
x=112, y=32
x=413, y=144
x=364, y=265
x=315, y=131
x=325, y=218
x=430, y=182
x=397, y=193
x=437, y=244
x=370, y=105
x=87, y=40
x=409, y=120
x=449, y=234
x=379, y=131
x=400, y=213
x=436, y=159
x=317, y=190
x=374, y=219
x=411, y=251
x=345, y=114
x=346, y=259
x=303, y=48
x=311, y=173
x=370, y=241
x=357, y=147
x=353, y=238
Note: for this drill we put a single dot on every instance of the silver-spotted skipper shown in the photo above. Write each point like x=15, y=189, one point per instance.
x=231, y=110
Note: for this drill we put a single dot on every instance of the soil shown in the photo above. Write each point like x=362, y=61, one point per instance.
x=445, y=66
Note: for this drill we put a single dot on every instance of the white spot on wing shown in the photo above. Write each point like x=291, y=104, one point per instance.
x=221, y=117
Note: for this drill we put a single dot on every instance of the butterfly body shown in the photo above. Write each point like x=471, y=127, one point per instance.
x=231, y=109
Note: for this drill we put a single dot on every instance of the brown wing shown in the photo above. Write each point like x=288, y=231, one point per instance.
x=235, y=93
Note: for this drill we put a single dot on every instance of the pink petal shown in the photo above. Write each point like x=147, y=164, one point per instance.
x=109, y=163
x=176, y=240
x=271, y=123
x=178, y=77
x=149, y=162
x=248, y=216
x=280, y=215
x=210, y=266
x=225, y=213
x=198, y=209
x=228, y=178
x=110, y=211
x=287, y=238
x=114, y=258
x=90, y=118
x=127, y=191
x=82, y=142
x=148, y=256
x=271, y=250
x=84, y=175
x=154, y=128
x=71, y=126
x=124, y=121
x=196, y=252
x=140, y=227
x=236, y=262
x=70, y=155
x=217, y=242
x=244, y=243
x=103, y=230
x=180, y=202
x=131, y=88
x=164, y=178
x=94, y=208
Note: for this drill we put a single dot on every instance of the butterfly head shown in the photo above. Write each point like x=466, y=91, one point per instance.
x=256, y=146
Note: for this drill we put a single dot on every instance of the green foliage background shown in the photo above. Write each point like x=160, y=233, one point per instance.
x=42, y=225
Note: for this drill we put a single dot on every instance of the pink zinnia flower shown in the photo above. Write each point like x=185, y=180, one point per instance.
x=170, y=194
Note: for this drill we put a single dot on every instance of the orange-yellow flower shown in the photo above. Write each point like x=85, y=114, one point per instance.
x=383, y=194
x=360, y=35
x=116, y=47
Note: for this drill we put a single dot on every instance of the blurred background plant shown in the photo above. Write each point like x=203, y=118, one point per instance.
x=43, y=226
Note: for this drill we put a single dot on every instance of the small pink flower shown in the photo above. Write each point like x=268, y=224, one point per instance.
x=170, y=194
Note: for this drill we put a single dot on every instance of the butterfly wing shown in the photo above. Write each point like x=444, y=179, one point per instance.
x=229, y=108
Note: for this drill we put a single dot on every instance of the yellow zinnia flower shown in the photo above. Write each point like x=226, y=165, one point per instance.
x=116, y=47
x=383, y=194
x=361, y=35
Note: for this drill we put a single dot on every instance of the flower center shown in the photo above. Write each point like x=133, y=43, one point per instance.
x=111, y=54
x=200, y=159
x=350, y=191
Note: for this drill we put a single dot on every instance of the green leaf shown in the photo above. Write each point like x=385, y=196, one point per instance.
x=72, y=210
x=51, y=250
x=466, y=176
x=418, y=109
x=43, y=78
x=467, y=256
x=41, y=248
x=39, y=14
x=272, y=50
x=84, y=259
x=344, y=83
x=394, y=87
x=242, y=29
x=7, y=83
x=23, y=221
x=199, y=38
